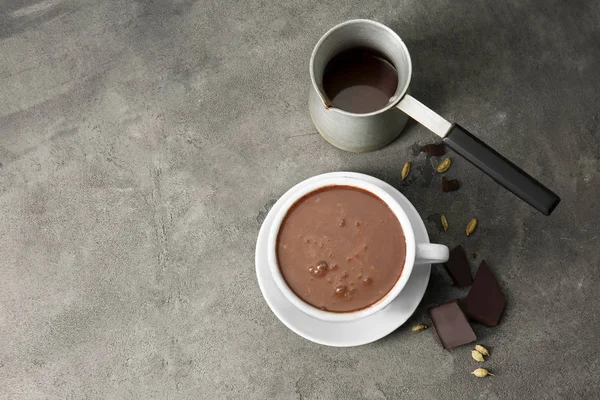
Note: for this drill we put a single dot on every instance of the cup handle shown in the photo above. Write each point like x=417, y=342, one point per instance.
x=431, y=253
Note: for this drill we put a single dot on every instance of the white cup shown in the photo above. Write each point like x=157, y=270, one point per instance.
x=416, y=253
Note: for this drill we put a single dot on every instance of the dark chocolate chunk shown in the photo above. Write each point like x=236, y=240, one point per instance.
x=435, y=149
x=485, y=301
x=458, y=267
x=449, y=185
x=451, y=325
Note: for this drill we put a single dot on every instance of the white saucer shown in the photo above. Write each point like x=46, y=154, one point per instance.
x=353, y=333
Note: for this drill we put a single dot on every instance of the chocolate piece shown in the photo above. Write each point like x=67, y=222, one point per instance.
x=458, y=267
x=451, y=325
x=435, y=149
x=485, y=301
x=449, y=185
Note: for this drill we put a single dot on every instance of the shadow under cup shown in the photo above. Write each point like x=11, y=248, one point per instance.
x=367, y=35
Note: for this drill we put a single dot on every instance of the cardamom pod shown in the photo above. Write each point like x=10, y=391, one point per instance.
x=477, y=356
x=443, y=167
x=444, y=223
x=405, y=170
x=471, y=226
x=481, y=373
x=419, y=328
x=482, y=350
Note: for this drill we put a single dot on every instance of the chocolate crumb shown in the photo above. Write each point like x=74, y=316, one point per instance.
x=435, y=149
x=449, y=185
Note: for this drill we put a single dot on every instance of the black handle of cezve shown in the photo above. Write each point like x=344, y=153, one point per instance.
x=501, y=170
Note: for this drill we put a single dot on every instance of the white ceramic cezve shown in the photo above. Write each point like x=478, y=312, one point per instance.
x=416, y=253
x=343, y=129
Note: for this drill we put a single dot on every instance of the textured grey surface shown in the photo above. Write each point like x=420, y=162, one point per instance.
x=142, y=142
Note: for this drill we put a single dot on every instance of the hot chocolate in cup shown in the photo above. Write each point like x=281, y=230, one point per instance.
x=342, y=248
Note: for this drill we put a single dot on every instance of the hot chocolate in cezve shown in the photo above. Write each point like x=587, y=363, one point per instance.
x=340, y=249
x=360, y=81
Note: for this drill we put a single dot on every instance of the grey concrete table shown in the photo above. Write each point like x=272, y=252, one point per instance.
x=143, y=142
